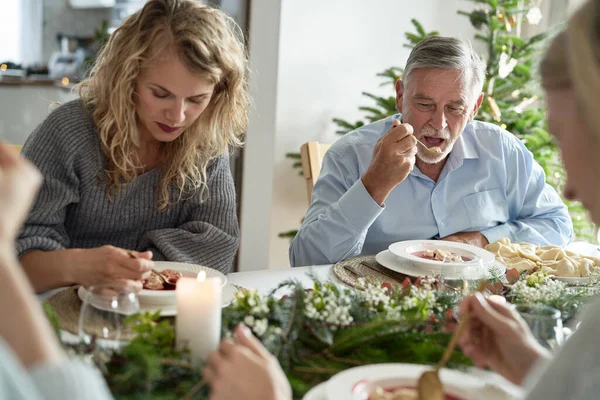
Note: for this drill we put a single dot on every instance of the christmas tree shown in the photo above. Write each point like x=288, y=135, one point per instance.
x=512, y=92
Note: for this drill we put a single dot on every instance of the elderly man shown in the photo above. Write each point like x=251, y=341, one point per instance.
x=476, y=184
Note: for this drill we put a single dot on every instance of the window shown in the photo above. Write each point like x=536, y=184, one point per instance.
x=10, y=32
x=21, y=32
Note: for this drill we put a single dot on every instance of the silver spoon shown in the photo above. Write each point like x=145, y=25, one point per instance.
x=429, y=150
x=161, y=276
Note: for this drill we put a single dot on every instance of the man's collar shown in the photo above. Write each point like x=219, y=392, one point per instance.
x=464, y=148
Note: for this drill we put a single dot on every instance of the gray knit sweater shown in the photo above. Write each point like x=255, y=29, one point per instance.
x=73, y=210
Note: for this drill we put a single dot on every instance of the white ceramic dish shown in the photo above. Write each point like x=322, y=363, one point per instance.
x=391, y=261
x=227, y=297
x=409, y=249
x=358, y=383
x=167, y=297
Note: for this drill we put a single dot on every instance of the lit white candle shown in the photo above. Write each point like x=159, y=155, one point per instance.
x=198, y=322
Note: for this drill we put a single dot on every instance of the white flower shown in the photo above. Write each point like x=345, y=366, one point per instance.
x=545, y=290
x=328, y=306
x=379, y=299
x=249, y=320
x=260, y=326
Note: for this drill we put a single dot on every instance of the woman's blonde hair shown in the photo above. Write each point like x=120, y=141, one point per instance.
x=207, y=41
x=573, y=61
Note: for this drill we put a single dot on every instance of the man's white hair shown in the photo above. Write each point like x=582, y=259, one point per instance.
x=446, y=53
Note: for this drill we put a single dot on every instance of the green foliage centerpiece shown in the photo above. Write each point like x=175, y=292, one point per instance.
x=319, y=331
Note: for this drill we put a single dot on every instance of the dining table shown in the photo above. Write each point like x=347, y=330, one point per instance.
x=266, y=281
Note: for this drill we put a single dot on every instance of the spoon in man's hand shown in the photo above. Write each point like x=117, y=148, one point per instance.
x=429, y=386
x=432, y=150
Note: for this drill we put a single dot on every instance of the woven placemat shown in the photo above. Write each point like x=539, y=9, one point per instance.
x=67, y=306
x=352, y=269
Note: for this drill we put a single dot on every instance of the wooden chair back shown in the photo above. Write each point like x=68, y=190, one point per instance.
x=312, y=154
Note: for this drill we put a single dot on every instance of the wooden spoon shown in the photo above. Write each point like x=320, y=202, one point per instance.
x=429, y=386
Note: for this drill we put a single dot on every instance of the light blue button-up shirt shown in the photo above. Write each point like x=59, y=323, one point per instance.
x=490, y=184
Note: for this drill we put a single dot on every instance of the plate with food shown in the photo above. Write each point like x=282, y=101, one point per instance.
x=160, y=290
x=434, y=255
x=471, y=272
x=561, y=263
x=398, y=382
x=227, y=296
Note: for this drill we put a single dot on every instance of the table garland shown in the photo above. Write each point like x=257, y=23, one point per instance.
x=319, y=331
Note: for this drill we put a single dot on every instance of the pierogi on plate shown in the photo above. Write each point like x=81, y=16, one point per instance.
x=552, y=259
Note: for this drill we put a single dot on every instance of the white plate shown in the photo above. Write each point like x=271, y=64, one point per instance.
x=227, y=297
x=407, y=248
x=391, y=261
x=316, y=393
x=167, y=297
x=347, y=384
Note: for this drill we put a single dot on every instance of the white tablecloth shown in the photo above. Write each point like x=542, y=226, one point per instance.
x=267, y=280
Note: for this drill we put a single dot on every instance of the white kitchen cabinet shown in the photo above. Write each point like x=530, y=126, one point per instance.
x=91, y=3
x=24, y=107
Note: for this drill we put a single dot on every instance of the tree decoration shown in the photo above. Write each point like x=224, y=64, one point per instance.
x=506, y=65
x=534, y=16
x=496, y=113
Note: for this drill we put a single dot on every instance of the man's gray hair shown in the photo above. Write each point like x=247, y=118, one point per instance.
x=446, y=53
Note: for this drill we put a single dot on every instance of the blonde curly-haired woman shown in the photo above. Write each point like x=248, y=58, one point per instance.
x=141, y=161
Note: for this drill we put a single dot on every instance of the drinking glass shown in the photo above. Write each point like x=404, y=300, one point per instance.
x=102, y=315
x=545, y=323
x=459, y=277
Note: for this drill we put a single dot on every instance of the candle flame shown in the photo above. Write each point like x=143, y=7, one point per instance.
x=201, y=276
x=65, y=81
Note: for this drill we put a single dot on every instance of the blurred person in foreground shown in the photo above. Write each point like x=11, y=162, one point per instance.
x=498, y=337
x=32, y=364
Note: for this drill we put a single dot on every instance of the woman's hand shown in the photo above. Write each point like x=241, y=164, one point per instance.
x=497, y=337
x=108, y=264
x=19, y=182
x=245, y=370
